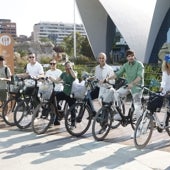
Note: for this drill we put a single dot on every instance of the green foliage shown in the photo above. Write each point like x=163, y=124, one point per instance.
x=153, y=76
x=45, y=60
x=22, y=52
x=82, y=45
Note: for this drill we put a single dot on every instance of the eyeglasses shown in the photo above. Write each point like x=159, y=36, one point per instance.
x=52, y=63
x=31, y=57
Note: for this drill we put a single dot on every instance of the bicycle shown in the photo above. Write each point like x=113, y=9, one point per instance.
x=24, y=110
x=150, y=119
x=15, y=96
x=104, y=119
x=78, y=118
x=46, y=111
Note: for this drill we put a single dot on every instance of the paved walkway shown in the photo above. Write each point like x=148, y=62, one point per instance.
x=58, y=150
x=25, y=150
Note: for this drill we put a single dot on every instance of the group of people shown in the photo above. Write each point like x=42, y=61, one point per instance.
x=132, y=70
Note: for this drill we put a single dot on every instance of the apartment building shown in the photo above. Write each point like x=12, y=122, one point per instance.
x=55, y=31
x=6, y=26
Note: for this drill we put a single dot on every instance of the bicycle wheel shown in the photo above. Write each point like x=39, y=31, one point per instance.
x=143, y=131
x=8, y=111
x=132, y=117
x=116, y=123
x=23, y=115
x=78, y=119
x=43, y=117
x=102, y=123
x=167, y=124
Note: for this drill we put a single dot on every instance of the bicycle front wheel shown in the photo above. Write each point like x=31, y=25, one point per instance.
x=23, y=115
x=167, y=124
x=102, y=123
x=143, y=131
x=78, y=119
x=43, y=117
x=8, y=111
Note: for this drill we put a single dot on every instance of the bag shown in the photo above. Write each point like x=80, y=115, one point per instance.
x=155, y=102
x=12, y=77
x=78, y=89
x=107, y=94
x=119, y=83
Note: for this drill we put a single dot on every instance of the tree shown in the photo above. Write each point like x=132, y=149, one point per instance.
x=86, y=48
x=82, y=45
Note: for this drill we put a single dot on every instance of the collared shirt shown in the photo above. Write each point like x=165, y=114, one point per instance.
x=102, y=73
x=131, y=71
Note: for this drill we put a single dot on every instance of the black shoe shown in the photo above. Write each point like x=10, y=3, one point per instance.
x=56, y=122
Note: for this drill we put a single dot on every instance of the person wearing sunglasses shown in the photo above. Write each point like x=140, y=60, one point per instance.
x=55, y=73
x=68, y=76
x=33, y=69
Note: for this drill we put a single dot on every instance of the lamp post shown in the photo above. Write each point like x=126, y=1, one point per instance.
x=74, y=29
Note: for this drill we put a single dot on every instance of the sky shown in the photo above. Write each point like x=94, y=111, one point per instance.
x=26, y=13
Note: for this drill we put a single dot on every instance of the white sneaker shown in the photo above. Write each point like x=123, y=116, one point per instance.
x=117, y=117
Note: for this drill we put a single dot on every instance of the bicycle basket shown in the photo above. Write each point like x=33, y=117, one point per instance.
x=155, y=102
x=107, y=94
x=15, y=87
x=119, y=83
x=29, y=87
x=45, y=90
x=78, y=89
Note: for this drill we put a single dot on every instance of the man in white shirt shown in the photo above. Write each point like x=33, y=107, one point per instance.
x=34, y=68
x=102, y=71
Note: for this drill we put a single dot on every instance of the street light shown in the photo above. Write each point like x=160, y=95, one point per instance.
x=75, y=29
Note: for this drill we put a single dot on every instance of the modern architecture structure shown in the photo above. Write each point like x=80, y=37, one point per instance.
x=55, y=31
x=142, y=23
x=6, y=26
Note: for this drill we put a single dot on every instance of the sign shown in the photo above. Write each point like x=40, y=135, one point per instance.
x=7, y=50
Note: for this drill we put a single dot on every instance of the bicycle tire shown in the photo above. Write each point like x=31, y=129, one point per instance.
x=102, y=123
x=167, y=124
x=43, y=117
x=23, y=115
x=8, y=111
x=143, y=131
x=75, y=124
x=115, y=123
x=133, y=119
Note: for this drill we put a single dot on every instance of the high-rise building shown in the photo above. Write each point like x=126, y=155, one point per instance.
x=55, y=31
x=6, y=26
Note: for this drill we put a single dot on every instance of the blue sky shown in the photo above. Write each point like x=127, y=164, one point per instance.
x=26, y=13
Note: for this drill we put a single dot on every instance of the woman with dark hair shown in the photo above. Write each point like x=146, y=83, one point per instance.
x=68, y=76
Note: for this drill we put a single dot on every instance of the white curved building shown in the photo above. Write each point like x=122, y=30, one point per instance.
x=143, y=24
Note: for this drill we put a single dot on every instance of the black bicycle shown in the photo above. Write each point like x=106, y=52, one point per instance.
x=104, y=119
x=15, y=96
x=46, y=111
x=78, y=118
x=24, y=111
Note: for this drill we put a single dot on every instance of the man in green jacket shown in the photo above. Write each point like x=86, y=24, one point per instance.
x=133, y=71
